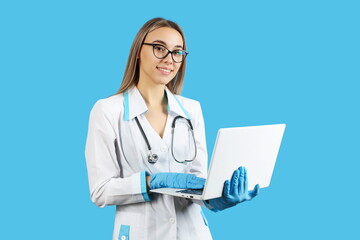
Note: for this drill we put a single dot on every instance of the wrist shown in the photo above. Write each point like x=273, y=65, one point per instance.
x=148, y=182
x=209, y=206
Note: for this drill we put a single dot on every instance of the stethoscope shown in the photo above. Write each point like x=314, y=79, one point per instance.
x=153, y=157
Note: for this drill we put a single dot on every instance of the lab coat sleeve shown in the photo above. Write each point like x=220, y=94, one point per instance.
x=106, y=185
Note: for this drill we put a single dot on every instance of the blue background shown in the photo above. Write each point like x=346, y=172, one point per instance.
x=250, y=63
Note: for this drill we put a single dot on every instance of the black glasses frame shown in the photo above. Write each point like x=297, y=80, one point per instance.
x=168, y=51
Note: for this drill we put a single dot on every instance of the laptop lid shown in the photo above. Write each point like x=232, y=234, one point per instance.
x=254, y=147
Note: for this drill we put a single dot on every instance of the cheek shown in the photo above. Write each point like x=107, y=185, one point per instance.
x=146, y=59
x=177, y=67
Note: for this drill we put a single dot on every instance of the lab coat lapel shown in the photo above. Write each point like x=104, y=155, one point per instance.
x=134, y=104
x=174, y=105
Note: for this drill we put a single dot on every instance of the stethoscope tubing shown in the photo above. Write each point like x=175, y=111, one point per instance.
x=152, y=158
x=143, y=133
x=172, y=140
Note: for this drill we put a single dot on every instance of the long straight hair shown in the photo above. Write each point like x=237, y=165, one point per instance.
x=131, y=74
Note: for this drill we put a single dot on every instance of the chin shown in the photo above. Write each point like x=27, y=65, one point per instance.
x=164, y=81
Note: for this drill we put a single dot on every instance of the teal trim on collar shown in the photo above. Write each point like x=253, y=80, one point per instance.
x=133, y=99
x=126, y=106
x=182, y=108
x=175, y=106
x=143, y=186
x=167, y=99
x=134, y=104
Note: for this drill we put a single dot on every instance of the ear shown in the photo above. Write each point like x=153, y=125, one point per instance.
x=139, y=54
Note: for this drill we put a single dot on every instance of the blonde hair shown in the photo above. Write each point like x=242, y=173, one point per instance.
x=131, y=74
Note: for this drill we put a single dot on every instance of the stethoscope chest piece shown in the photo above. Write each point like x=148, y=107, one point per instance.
x=152, y=158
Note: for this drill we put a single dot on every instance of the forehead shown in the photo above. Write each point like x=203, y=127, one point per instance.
x=165, y=34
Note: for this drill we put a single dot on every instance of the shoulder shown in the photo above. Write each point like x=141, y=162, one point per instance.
x=193, y=107
x=109, y=107
x=187, y=101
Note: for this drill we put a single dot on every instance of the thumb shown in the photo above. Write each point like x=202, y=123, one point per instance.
x=195, y=182
x=254, y=192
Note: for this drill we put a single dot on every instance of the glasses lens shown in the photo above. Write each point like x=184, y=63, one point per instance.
x=179, y=55
x=160, y=51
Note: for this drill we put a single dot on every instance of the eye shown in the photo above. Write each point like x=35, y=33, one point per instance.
x=159, y=48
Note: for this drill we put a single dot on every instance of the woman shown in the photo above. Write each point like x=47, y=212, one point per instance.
x=131, y=148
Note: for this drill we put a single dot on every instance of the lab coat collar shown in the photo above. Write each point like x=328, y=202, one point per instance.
x=175, y=106
x=134, y=104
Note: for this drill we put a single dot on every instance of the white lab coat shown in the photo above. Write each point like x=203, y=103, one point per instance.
x=116, y=157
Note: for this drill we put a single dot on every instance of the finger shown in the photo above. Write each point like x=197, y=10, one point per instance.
x=226, y=191
x=195, y=182
x=254, y=192
x=245, y=181
x=234, y=186
x=242, y=183
x=198, y=183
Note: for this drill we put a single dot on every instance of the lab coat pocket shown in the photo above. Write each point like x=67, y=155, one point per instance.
x=124, y=232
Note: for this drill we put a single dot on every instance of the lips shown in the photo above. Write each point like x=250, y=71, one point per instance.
x=164, y=70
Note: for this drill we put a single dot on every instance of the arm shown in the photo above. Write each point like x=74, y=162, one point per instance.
x=108, y=184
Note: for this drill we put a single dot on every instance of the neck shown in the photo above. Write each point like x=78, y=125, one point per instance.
x=152, y=94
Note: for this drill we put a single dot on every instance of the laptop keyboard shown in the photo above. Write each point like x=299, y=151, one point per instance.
x=192, y=191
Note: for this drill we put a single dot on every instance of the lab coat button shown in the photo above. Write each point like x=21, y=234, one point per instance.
x=163, y=149
x=172, y=220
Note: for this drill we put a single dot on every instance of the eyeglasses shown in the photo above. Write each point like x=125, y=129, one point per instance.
x=161, y=52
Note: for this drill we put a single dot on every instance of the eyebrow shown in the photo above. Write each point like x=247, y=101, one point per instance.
x=164, y=43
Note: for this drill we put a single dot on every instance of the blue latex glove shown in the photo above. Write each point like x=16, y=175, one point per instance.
x=235, y=191
x=176, y=180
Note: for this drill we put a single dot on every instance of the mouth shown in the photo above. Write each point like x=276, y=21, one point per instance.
x=164, y=70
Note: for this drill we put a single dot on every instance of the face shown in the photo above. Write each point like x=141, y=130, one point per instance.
x=155, y=70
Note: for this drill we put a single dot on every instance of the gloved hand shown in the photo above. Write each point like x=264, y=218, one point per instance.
x=235, y=191
x=176, y=180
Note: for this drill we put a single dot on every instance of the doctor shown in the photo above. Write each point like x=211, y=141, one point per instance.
x=132, y=146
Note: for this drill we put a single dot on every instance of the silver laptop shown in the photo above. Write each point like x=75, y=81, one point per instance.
x=255, y=148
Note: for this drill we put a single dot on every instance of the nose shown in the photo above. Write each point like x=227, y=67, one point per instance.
x=168, y=59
